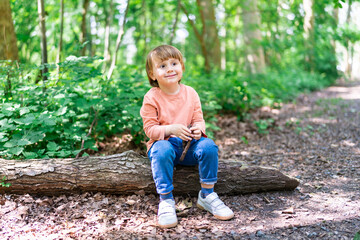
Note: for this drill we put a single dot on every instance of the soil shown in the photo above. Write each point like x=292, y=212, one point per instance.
x=315, y=139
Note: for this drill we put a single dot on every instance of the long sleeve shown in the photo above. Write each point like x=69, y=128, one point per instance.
x=152, y=127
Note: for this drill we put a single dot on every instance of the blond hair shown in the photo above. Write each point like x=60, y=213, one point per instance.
x=162, y=52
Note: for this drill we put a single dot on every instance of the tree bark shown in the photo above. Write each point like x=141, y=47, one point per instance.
x=349, y=49
x=8, y=41
x=83, y=26
x=175, y=22
x=58, y=57
x=108, y=21
x=210, y=32
x=44, y=55
x=309, y=39
x=252, y=36
x=129, y=173
x=118, y=42
x=200, y=38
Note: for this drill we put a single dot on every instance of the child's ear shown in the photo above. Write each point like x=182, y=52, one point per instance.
x=151, y=74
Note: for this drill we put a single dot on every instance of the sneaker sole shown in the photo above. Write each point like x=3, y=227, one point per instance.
x=216, y=216
x=168, y=225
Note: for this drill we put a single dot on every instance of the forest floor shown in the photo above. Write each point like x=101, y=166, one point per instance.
x=316, y=139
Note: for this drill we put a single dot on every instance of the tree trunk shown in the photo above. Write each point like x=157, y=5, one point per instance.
x=118, y=42
x=175, y=22
x=200, y=38
x=128, y=173
x=209, y=32
x=8, y=47
x=83, y=26
x=252, y=36
x=108, y=21
x=309, y=40
x=44, y=55
x=58, y=57
x=349, y=57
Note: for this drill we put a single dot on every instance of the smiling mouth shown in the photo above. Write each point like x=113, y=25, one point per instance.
x=169, y=76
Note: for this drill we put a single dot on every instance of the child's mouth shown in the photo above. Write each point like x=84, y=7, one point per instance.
x=170, y=76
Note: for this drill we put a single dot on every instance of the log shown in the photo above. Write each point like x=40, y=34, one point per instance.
x=130, y=173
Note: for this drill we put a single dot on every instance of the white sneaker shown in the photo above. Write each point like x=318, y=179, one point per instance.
x=214, y=205
x=167, y=214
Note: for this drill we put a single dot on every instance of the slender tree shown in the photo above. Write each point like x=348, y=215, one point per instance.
x=44, y=55
x=108, y=6
x=83, y=26
x=349, y=48
x=175, y=22
x=58, y=57
x=252, y=36
x=200, y=38
x=210, y=32
x=118, y=42
x=309, y=38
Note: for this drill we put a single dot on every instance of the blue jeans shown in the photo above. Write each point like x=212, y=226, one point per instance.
x=165, y=154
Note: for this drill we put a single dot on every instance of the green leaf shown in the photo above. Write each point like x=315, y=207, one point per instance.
x=23, y=142
x=30, y=155
x=61, y=95
x=61, y=111
x=24, y=111
x=34, y=137
x=49, y=122
x=7, y=113
x=3, y=137
x=26, y=120
x=357, y=236
x=64, y=153
x=52, y=146
x=9, y=144
x=16, y=150
x=6, y=124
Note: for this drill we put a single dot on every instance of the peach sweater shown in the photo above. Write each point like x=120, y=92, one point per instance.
x=160, y=109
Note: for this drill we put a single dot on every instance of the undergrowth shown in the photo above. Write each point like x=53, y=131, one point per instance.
x=66, y=114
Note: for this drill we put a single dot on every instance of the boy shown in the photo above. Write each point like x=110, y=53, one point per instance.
x=168, y=108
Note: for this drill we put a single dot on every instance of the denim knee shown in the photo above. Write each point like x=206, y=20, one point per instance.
x=161, y=150
x=206, y=147
x=162, y=156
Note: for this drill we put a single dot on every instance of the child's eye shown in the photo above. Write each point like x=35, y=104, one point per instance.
x=162, y=65
x=174, y=63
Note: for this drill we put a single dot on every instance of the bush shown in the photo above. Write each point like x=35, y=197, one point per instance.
x=69, y=112
x=54, y=119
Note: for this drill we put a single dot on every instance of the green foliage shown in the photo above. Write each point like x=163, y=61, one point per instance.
x=3, y=183
x=263, y=125
x=53, y=122
x=54, y=118
x=357, y=236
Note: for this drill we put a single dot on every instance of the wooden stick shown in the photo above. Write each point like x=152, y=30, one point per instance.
x=188, y=143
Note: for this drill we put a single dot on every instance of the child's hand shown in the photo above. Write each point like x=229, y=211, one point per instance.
x=196, y=132
x=180, y=131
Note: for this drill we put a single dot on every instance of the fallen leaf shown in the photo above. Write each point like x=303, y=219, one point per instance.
x=289, y=211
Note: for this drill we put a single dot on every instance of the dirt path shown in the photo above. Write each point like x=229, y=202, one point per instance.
x=316, y=140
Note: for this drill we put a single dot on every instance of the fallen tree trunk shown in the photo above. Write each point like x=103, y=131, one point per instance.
x=129, y=173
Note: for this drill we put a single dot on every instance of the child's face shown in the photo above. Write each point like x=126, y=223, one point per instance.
x=167, y=72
